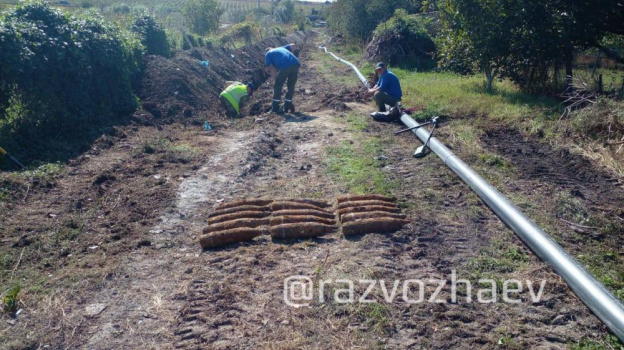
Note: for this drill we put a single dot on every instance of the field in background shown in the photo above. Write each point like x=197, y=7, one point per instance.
x=169, y=10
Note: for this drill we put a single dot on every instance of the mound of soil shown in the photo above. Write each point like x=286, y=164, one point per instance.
x=182, y=87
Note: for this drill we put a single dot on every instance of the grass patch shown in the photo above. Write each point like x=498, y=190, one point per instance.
x=609, y=342
x=451, y=94
x=357, y=122
x=358, y=167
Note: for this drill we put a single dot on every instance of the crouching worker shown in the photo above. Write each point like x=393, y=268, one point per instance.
x=235, y=96
x=387, y=91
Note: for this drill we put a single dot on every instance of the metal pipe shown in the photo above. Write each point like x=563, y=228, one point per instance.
x=357, y=71
x=607, y=307
x=604, y=305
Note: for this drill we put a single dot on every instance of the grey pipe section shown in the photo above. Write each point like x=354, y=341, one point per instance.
x=355, y=69
x=607, y=307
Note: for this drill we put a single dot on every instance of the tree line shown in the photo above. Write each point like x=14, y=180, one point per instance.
x=527, y=41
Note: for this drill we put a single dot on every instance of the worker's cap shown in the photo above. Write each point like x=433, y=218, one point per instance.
x=380, y=65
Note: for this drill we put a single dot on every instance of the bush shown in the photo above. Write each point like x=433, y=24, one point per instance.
x=357, y=19
x=152, y=34
x=60, y=74
x=402, y=40
x=244, y=32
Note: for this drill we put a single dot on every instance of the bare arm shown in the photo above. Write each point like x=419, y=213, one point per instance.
x=374, y=89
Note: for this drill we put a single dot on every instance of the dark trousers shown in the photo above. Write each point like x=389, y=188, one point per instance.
x=288, y=76
x=230, y=112
x=384, y=99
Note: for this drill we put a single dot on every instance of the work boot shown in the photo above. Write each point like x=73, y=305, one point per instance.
x=275, y=107
x=289, y=107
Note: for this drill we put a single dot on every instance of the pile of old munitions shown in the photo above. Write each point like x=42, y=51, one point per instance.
x=244, y=220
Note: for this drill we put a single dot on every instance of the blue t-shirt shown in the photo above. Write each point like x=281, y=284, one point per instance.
x=389, y=83
x=281, y=58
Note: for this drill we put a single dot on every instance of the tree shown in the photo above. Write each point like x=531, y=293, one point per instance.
x=475, y=36
x=357, y=19
x=202, y=16
x=403, y=41
x=527, y=41
x=152, y=34
x=285, y=11
x=62, y=73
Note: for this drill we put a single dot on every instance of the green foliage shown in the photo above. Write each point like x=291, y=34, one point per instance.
x=152, y=34
x=357, y=19
x=10, y=300
x=403, y=40
x=62, y=73
x=244, y=32
x=285, y=11
x=526, y=41
x=202, y=16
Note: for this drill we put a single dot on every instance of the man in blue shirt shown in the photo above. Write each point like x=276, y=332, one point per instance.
x=388, y=88
x=283, y=66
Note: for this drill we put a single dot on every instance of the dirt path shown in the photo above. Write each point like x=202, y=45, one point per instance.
x=135, y=277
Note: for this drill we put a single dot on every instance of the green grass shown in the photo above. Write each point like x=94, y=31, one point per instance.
x=609, y=342
x=357, y=167
x=459, y=96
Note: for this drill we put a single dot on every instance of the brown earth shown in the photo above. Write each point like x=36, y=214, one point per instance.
x=107, y=248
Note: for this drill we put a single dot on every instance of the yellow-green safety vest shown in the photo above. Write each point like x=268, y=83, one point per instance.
x=234, y=93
